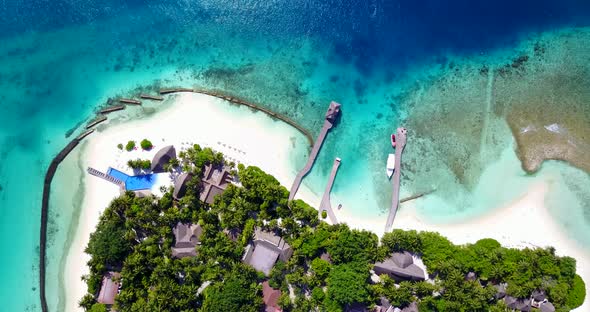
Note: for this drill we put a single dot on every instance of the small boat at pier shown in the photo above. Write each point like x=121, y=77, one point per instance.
x=390, y=165
x=393, y=140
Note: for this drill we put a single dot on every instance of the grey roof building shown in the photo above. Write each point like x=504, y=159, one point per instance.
x=180, y=185
x=500, y=291
x=333, y=111
x=187, y=238
x=518, y=304
x=162, y=157
x=413, y=307
x=214, y=181
x=538, y=295
x=546, y=307
x=400, y=266
x=265, y=250
x=109, y=288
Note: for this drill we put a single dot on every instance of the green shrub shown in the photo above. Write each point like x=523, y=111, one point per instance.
x=146, y=144
x=98, y=307
x=577, y=293
x=139, y=164
x=130, y=146
x=120, y=146
x=324, y=214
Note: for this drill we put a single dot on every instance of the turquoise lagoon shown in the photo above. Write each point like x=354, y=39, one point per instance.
x=436, y=69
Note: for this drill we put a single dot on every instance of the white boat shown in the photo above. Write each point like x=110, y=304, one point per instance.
x=390, y=165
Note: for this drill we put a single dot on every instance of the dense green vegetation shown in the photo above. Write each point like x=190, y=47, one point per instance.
x=130, y=146
x=120, y=146
x=146, y=144
x=330, y=266
x=139, y=164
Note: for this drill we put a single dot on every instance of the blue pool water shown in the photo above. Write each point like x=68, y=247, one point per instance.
x=425, y=63
x=133, y=183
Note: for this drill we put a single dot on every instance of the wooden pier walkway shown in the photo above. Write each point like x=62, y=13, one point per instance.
x=96, y=121
x=325, y=204
x=129, y=101
x=400, y=144
x=102, y=175
x=331, y=116
x=111, y=109
x=151, y=97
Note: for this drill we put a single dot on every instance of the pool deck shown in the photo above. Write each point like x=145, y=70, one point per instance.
x=325, y=204
x=399, y=149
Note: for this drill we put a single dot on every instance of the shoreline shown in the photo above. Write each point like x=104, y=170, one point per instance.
x=189, y=117
x=525, y=222
x=100, y=150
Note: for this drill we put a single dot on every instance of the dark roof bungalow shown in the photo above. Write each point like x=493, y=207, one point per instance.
x=500, y=291
x=400, y=266
x=180, y=185
x=162, y=157
x=109, y=288
x=215, y=181
x=265, y=250
x=518, y=304
x=546, y=306
x=187, y=238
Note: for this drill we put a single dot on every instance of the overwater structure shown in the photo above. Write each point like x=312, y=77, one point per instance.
x=331, y=117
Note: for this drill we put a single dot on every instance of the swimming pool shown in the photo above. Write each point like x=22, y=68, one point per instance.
x=133, y=183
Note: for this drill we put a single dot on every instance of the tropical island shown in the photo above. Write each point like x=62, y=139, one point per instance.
x=227, y=238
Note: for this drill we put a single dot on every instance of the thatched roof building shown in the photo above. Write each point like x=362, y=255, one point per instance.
x=215, y=181
x=333, y=112
x=180, y=185
x=546, y=307
x=162, y=157
x=400, y=266
x=265, y=250
x=518, y=303
x=187, y=238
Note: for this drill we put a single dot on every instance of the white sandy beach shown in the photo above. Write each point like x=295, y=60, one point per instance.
x=248, y=138
x=256, y=139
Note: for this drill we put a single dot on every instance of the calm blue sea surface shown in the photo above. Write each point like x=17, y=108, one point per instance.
x=387, y=62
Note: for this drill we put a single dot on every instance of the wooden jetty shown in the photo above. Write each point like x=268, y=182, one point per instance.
x=151, y=97
x=129, y=101
x=45, y=211
x=84, y=134
x=331, y=116
x=416, y=196
x=175, y=90
x=400, y=139
x=111, y=109
x=325, y=204
x=96, y=121
x=104, y=176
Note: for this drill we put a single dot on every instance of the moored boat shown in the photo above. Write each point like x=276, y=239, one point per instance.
x=393, y=140
x=390, y=165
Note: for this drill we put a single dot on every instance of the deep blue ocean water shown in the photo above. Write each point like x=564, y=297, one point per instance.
x=60, y=60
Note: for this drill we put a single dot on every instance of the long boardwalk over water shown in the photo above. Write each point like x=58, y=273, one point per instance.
x=400, y=143
x=331, y=116
x=325, y=204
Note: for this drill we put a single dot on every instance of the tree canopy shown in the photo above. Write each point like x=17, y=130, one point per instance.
x=330, y=269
